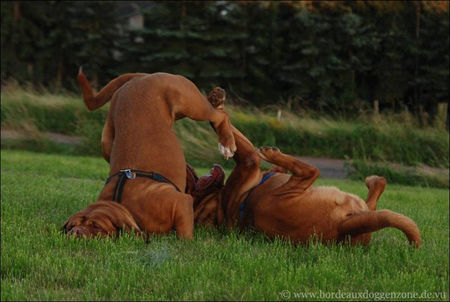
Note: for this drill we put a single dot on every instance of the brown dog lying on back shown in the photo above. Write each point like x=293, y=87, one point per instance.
x=147, y=178
x=288, y=206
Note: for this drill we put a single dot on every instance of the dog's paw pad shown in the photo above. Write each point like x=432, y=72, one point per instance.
x=375, y=180
x=225, y=151
x=267, y=153
x=217, y=98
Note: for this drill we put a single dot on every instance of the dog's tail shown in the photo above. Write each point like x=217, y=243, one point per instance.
x=94, y=102
x=372, y=221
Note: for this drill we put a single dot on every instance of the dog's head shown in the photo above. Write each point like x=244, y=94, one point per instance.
x=208, y=211
x=103, y=218
x=206, y=194
x=209, y=183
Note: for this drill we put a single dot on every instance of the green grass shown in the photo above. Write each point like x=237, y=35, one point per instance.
x=39, y=192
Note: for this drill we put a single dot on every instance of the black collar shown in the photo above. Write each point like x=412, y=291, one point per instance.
x=125, y=174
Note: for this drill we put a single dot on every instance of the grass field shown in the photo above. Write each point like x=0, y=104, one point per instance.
x=39, y=192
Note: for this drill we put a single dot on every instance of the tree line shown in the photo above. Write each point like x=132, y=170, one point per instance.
x=327, y=56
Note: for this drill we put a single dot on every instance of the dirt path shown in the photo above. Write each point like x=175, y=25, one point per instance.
x=56, y=137
x=328, y=167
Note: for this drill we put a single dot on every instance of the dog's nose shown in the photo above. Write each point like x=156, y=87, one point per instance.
x=79, y=232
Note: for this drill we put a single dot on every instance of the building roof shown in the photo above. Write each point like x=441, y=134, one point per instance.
x=128, y=9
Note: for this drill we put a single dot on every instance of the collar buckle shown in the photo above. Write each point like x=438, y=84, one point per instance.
x=128, y=173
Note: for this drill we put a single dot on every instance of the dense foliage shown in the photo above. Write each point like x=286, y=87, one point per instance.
x=333, y=56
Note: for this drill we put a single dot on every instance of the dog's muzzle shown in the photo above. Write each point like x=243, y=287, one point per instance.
x=78, y=231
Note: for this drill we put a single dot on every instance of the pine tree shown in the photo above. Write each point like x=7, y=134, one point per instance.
x=333, y=56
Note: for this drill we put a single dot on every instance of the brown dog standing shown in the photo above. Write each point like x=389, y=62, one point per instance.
x=288, y=206
x=138, y=135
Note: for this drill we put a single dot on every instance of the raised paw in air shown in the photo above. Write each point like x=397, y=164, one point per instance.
x=226, y=152
x=217, y=98
x=375, y=181
x=268, y=153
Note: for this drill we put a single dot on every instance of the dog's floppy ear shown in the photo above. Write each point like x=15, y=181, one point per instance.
x=112, y=216
x=124, y=221
x=128, y=226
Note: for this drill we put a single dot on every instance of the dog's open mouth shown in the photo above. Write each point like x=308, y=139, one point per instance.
x=210, y=182
x=215, y=177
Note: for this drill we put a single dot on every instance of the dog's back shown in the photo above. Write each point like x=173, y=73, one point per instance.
x=142, y=114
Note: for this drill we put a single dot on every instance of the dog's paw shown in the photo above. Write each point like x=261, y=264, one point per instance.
x=225, y=151
x=267, y=153
x=217, y=98
x=374, y=181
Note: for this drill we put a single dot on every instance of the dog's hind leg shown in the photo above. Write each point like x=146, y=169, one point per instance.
x=107, y=138
x=184, y=217
x=303, y=175
x=376, y=185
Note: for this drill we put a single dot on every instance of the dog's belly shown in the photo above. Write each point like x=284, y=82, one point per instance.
x=293, y=218
x=298, y=217
x=317, y=211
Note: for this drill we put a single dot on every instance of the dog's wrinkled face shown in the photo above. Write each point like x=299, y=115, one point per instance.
x=87, y=231
x=83, y=225
x=100, y=219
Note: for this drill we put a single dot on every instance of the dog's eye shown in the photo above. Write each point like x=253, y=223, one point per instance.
x=91, y=224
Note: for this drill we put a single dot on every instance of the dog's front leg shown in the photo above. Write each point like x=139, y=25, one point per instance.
x=303, y=175
x=245, y=175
